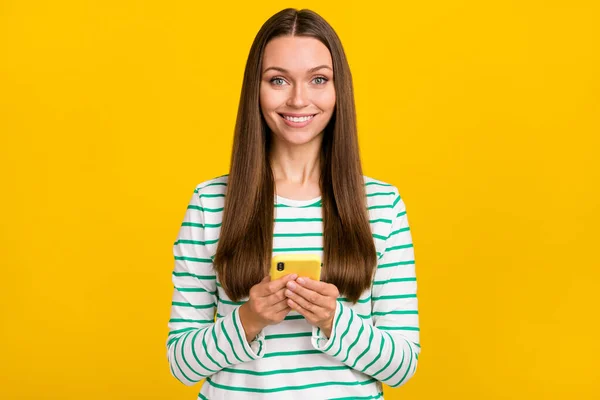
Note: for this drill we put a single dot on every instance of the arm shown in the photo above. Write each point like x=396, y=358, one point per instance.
x=197, y=346
x=389, y=349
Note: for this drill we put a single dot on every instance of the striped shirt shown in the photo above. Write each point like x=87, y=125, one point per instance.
x=372, y=342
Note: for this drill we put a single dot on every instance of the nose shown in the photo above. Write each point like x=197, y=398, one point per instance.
x=298, y=97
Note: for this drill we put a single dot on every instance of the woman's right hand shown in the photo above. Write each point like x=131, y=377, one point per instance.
x=266, y=305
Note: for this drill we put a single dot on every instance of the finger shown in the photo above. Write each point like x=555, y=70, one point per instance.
x=302, y=302
x=276, y=297
x=310, y=295
x=279, y=307
x=286, y=310
x=323, y=288
x=278, y=284
x=301, y=310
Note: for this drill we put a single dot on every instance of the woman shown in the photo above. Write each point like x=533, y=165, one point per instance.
x=295, y=185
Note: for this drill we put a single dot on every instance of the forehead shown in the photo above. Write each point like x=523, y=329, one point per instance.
x=296, y=54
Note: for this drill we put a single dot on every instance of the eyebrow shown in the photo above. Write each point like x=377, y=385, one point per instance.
x=285, y=71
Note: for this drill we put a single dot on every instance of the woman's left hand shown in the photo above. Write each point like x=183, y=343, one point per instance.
x=315, y=300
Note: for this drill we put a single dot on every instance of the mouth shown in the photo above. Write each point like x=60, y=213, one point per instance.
x=297, y=121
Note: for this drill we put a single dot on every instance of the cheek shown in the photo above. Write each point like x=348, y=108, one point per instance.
x=270, y=99
x=325, y=100
x=263, y=99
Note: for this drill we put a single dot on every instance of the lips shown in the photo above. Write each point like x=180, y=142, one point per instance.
x=296, y=115
x=297, y=124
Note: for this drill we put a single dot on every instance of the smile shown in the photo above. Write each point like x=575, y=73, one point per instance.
x=297, y=122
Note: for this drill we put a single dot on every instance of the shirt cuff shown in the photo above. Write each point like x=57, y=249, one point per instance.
x=257, y=347
x=318, y=338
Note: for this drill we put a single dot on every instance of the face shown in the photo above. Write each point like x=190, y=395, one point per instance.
x=297, y=96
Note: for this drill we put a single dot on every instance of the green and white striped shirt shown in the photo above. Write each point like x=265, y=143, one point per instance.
x=372, y=342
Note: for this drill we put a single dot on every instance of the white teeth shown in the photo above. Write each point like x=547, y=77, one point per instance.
x=298, y=119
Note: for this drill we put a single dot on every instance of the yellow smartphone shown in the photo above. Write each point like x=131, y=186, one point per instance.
x=307, y=265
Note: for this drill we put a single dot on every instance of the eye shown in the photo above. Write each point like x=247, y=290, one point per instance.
x=273, y=80
x=323, y=80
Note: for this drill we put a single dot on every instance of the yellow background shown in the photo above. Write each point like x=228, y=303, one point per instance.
x=485, y=114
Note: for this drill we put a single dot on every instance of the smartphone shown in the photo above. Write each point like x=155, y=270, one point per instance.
x=307, y=265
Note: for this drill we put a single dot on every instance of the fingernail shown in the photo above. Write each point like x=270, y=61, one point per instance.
x=294, y=276
x=300, y=281
x=291, y=285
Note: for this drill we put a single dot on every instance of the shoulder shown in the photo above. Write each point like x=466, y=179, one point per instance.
x=209, y=195
x=380, y=193
x=384, y=202
x=212, y=187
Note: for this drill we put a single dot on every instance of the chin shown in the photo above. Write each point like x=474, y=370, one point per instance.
x=298, y=138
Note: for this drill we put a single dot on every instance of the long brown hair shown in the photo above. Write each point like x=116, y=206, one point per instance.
x=245, y=243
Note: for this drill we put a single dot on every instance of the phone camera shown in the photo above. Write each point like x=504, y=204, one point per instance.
x=280, y=266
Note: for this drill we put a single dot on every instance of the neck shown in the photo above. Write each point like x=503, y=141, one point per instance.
x=298, y=165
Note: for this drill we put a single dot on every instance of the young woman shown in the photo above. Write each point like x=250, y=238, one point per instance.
x=295, y=185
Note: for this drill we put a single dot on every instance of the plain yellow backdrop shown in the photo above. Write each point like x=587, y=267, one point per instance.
x=485, y=115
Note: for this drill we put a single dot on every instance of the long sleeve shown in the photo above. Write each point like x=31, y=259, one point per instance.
x=197, y=345
x=386, y=347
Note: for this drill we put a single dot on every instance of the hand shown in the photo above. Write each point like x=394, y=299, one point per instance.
x=315, y=300
x=266, y=305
